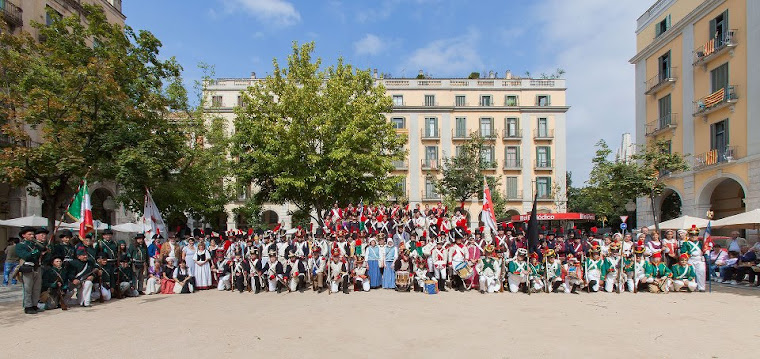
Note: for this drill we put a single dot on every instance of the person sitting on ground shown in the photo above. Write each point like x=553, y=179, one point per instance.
x=154, y=279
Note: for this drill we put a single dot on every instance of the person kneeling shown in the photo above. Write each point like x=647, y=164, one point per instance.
x=126, y=276
x=658, y=275
x=338, y=273
x=684, y=276
x=361, y=280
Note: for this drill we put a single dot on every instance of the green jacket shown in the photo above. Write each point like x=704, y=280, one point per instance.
x=139, y=255
x=125, y=274
x=30, y=251
x=681, y=273
x=657, y=271
x=78, y=269
x=52, y=275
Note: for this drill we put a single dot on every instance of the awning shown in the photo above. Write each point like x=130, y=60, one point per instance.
x=556, y=217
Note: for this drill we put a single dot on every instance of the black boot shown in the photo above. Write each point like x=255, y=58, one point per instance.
x=442, y=285
x=556, y=286
x=574, y=290
x=591, y=285
x=345, y=286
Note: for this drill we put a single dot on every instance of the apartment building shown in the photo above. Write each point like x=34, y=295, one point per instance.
x=696, y=89
x=522, y=120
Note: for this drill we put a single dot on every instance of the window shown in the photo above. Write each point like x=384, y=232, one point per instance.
x=485, y=100
x=544, y=187
x=430, y=188
x=511, y=187
x=431, y=153
x=487, y=156
x=240, y=101
x=662, y=26
x=461, y=127
x=719, y=135
x=51, y=15
x=512, y=127
x=719, y=78
x=543, y=127
x=486, y=127
x=398, y=100
x=510, y=100
x=512, y=157
x=719, y=29
x=458, y=150
x=543, y=100
x=398, y=122
x=431, y=127
x=543, y=156
x=429, y=100
x=402, y=186
x=664, y=106
x=459, y=100
x=216, y=101
x=668, y=147
x=664, y=67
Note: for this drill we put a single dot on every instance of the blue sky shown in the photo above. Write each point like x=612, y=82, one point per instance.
x=590, y=39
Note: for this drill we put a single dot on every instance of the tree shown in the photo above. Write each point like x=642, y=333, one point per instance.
x=313, y=136
x=90, y=100
x=462, y=174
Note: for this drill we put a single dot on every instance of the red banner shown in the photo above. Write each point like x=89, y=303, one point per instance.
x=556, y=217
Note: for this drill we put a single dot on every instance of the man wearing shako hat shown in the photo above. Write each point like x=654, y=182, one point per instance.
x=696, y=257
x=489, y=270
x=361, y=279
x=612, y=267
x=658, y=274
x=518, y=271
x=594, y=267
x=317, y=265
x=636, y=269
x=273, y=271
x=683, y=274
x=553, y=270
x=338, y=273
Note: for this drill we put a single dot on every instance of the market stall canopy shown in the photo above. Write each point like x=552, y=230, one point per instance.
x=29, y=221
x=129, y=228
x=746, y=220
x=683, y=222
x=99, y=226
x=555, y=217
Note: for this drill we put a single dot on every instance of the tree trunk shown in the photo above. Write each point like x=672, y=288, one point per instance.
x=49, y=206
x=654, y=213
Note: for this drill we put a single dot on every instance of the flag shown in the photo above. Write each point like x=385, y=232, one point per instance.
x=708, y=241
x=487, y=216
x=533, y=226
x=362, y=226
x=81, y=210
x=153, y=223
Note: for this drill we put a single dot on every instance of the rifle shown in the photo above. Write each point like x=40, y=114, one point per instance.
x=635, y=279
x=61, y=302
x=100, y=282
x=546, y=275
x=621, y=272
x=502, y=274
x=117, y=290
x=585, y=271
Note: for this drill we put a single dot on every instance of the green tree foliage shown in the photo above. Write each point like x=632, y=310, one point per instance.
x=312, y=136
x=462, y=175
x=92, y=99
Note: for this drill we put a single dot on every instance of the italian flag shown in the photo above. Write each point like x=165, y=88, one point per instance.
x=81, y=210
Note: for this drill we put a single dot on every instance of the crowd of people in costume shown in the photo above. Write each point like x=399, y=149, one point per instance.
x=359, y=249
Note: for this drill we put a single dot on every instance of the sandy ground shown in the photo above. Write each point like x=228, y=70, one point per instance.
x=392, y=325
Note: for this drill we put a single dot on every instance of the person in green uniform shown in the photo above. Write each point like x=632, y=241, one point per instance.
x=553, y=271
x=536, y=273
x=594, y=267
x=89, y=247
x=81, y=273
x=55, y=285
x=108, y=248
x=657, y=274
x=103, y=287
x=64, y=249
x=138, y=253
x=31, y=252
x=126, y=277
x=684, y=276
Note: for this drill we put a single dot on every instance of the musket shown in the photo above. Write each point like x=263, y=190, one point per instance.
x=546, y=275
x=635, y=279
x=621, y=273
x=100, y=282
x=61, y=302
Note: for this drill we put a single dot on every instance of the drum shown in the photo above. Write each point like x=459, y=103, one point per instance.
x=466, y=272
x=402, y=280
x=431, y=287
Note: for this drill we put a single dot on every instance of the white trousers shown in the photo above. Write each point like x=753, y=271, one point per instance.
x=570, y=282
x=489, y=284
x=273, y=282
x=224, y=282
x=153, y=286
x=295, y=281
x=630, y=281
x=99, y=291
x=596, y=276
x=514, y=281
x=84, y=293
x=610, y=280
x=440, y=273
x=126, y=288
x=680, y=283
x=365, y=284
x=700, y=269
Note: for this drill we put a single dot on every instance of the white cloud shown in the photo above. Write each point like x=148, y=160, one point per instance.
x=600, y=80
x=457, y=56
x=370, y=44
x=278, y=12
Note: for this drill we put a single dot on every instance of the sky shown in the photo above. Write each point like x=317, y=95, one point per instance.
x=591, y=40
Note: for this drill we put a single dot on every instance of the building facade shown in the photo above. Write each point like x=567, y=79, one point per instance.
x=18, y=16
x=696, y=89
x=522, y=121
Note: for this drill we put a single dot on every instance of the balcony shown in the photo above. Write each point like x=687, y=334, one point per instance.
x=430, y=104
x=400, y=165
x=515, y=135
x=545, y=134
x=512, y=164
x=543, y=165
x=488, y=133
x=727, y=154
x=489, y=165
x=11, y=13
x=715, y=47
x=667, y=122
x=715, y=101
x=431, y=134
x=545, y=197
x=513, y=196
x=431, y=196
x=661, y=81
x=460, y=135
x=431, y=164
x=485, y=103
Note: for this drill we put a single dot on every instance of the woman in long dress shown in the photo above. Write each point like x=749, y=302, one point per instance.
x=167, y=277
x=373, y=264
x=389, y=254
x=189, y=253
x=202, y=267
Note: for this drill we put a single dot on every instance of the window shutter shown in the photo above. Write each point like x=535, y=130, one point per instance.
x=537, y=103
x=657, y=30
x=726, y=28
x=712, y=29
x=548, y=100
x=517, y=153
x=726, y=132
x=712, y=136
x=549, y=155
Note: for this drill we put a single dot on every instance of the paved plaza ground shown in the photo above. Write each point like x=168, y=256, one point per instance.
x=722, y=324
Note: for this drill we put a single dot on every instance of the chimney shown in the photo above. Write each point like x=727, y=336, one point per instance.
x=374, y=74
x=253, y=75
x=420, y=73
x=508, y=75
x=490, y=74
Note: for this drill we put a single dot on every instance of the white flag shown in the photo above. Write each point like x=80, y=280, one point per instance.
x=153, y=223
